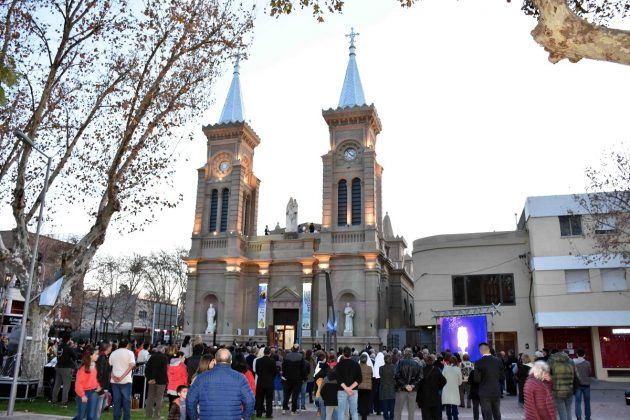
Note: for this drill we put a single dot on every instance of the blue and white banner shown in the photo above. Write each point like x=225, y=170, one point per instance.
x=262, y=306
x=51, y=293
x=306, y=308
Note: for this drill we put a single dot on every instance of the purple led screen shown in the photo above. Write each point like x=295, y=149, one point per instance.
x=463, y=334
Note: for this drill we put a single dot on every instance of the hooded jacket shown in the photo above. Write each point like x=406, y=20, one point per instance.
x=562, y=372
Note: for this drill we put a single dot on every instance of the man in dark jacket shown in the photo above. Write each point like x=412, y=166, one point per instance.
x=157, y=378
x=408, y=376
x=66, y=363
x=294, y=373
x=488, y=374
x=192, y=363
x=429, y=397
x=220, y=393
x=266, y=372
x=349, y=377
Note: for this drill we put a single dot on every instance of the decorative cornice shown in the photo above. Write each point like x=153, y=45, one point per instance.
x=230, y=130
x=353, y=115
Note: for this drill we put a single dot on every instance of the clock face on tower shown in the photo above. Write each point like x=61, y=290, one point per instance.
x=350, y=154
x=224, y=166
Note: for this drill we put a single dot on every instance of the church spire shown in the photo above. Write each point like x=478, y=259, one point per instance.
x=352, y=91
x=233, y=110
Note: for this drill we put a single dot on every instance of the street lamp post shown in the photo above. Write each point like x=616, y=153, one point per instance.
x=16, y=371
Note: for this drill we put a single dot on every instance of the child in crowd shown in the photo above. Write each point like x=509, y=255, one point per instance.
x=178, y=409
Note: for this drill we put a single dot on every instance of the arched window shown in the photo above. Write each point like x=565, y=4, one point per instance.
x=342, y=203
x=356, y=201
x=214, y=201
x=225, y=197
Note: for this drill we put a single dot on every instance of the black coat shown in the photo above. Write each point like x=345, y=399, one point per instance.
x=103, y=371
x=192, y=363
x=266, y=372
x=488, y=374
x=408, y=372
x=156, y=368
x=430, y=387
x=329, y=389
x=294, y=367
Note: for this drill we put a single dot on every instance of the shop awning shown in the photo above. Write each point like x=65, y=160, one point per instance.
x=583, y=319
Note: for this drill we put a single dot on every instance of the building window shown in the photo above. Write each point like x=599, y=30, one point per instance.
x=570, y=225
x=605, y=225
x=225, y=196
x=342, y=203
x=356, y=201
x=142, y=314
x=484, y=289
x=577, y=281
x=214, y=201
x=245, y=215
x=613, y=279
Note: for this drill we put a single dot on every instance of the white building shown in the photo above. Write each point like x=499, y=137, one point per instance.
x=555, y=289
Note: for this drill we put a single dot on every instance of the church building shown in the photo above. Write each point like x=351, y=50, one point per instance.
x=273, y=288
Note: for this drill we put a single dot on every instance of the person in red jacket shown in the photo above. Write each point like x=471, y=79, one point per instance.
x=177, y=376
x=538, y=400
x=87, y=387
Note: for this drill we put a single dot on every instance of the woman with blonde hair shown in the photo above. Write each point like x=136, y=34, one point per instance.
x=538, y=400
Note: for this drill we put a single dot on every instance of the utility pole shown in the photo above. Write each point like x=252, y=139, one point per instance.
x=98, y=298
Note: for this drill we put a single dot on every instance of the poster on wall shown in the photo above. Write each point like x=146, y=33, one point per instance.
x=463, y=334
x=262, y=305
x=306, y=309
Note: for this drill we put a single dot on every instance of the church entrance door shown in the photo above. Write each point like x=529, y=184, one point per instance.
x=285, y=324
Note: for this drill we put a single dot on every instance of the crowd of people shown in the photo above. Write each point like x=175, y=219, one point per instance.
x=238, y=381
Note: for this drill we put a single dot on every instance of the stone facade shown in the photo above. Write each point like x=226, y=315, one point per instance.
x=228, y=261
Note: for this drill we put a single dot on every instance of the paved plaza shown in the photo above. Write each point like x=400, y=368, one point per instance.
x=608, y=403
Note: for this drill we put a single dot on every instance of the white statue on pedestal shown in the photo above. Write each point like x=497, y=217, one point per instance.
x=212, y=324
x=349, y=312
x=292, y=215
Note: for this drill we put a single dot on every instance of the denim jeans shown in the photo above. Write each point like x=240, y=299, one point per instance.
x=303, y=395
x=563, y=407
x=121, y=394
x=388, y=408
x=87, y=410
x=452, y=413
x=278, y=396
x=583, y=391
x=100, y=406
x=346, y=402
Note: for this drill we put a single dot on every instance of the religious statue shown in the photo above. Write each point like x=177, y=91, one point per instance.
x=212, y=324
x=292, y=215
x=349, y=313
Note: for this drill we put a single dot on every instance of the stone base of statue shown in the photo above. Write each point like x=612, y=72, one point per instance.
x=290, y=235
x=347, y=333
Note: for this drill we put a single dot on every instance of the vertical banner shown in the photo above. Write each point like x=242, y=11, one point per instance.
x=306, y=309
x=262, y=305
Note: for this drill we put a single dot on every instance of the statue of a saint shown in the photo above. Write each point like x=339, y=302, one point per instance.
x=292, y=215
x=349, y=313
x=212, y=324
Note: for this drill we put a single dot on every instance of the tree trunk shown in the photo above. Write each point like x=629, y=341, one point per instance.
x=565, y=35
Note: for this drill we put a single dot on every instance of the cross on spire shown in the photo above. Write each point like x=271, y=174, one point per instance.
x=352, y=35
x=237, y=60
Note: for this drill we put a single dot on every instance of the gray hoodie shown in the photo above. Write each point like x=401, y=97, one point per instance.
x=583, y=369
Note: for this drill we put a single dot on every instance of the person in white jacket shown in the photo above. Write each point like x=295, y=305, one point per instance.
x=450, y=392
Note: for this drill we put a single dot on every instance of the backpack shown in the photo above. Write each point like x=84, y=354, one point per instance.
x=466, y=368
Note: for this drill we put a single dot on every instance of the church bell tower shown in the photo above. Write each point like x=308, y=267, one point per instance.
x=352, y=176
x=229, y=202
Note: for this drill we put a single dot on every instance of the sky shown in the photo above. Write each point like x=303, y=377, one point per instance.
x=475, y=118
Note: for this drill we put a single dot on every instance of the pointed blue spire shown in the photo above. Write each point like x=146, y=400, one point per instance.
x=352, y=91
x=233, y=110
